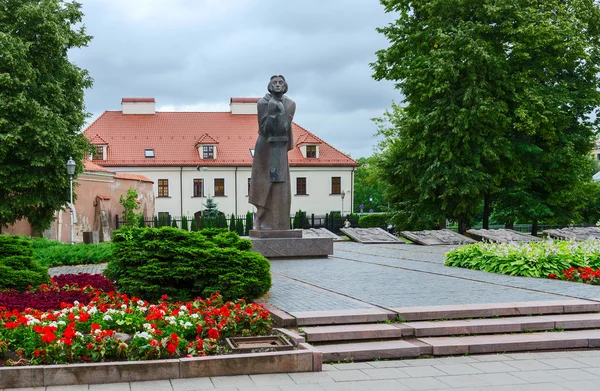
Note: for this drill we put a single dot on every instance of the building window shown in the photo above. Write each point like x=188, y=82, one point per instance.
x=249, y=179
x=163, y=187
x=300, y=186
x=149, y=152
x=336, y=185
x=198, y=187
x=219, y=187
x=98, y=153
x=311, y=151
x=208, y=152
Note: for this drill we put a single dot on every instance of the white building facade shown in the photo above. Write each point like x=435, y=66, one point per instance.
x=191, y=157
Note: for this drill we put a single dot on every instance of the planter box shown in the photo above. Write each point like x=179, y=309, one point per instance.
x=301, y=360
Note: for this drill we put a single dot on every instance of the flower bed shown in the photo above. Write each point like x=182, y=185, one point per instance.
x=536, y=259
x=113, y=326
x=581, y=274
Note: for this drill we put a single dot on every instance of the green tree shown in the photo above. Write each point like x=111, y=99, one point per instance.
x=239, y=226
x=210, y=208
x=130, y=205
x=193, y=226
x=369, y=189
x=41, y=107
x=249, y=223
x=497, y=98
x=232, y=223
x=184, y=223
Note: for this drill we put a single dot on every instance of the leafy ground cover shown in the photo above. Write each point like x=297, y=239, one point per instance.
x=536, y=259
x=113, y=326
x=51, y=253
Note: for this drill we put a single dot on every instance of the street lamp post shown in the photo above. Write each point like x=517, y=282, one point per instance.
x=71, y=171
x=371, y=201
x=342, y=194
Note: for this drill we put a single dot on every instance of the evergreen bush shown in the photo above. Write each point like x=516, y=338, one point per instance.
x=151, y=262
x=249, y=223
x=174, y=224
x=141, y=221
x=193, y=226
x=239, y=227
x=18, y=268
x=184, y=223
x=232, y=223
x=156, y=224
x=50, y=253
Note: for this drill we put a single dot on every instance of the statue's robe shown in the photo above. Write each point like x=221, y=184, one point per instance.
x=270, y=189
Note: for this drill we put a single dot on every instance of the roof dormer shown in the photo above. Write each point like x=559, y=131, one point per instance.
x=100, y=148
x=243, y=105
x=207, y=147
x=309, y=146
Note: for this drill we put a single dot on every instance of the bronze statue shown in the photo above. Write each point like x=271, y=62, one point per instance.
x=270, y=189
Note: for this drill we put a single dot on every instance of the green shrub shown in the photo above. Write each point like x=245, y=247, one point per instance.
x=249, y=223
x=51, y=253
x=193, y=226
x=18, y=268
x=239, y=227
x=232, y=223
x=184, y=223
x=151, y=262
x=379, y=220
x=536, y=259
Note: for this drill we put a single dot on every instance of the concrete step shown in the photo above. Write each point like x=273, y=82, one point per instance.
x=515, y=324
x=362, y=351
x=361, y=315
x=443, y=346
x=355, y=332
x=497, y=309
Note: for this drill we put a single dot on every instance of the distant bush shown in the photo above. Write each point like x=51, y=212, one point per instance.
x=379, y=220
x=51, y=253
x=151, y=262
x=18, y=268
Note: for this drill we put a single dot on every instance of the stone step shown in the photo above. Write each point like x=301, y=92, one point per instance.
x=355, y=332
x=443, y=346
x=360, y=315
x=362, y=351
x=487, y=310
x=515, y=324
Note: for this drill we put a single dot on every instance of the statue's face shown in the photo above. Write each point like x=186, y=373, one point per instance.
x=278, y=85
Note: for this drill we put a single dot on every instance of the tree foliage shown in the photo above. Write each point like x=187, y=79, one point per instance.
x=369, y=190
x=41, y=107
x=497, y=102
x=130, y=204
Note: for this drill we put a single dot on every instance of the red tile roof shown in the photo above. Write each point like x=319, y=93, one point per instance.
x=308, y=138
x=97, y=140
x=89, y=166
x=173, y=136
x=134, y=177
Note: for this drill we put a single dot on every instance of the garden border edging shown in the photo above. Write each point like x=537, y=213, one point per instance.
x=301, y=360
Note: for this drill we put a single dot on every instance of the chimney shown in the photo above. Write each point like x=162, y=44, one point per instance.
x=138, y=106
x=243, y=105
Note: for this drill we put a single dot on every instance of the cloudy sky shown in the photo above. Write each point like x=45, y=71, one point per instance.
x=194, y=55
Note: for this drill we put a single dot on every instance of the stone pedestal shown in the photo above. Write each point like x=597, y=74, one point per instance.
x=289, y=244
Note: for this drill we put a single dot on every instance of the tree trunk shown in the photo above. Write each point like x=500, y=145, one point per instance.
x=510, y=225
x=462, y=226
x=534, y=227
x=441, y=224
x=486, y=211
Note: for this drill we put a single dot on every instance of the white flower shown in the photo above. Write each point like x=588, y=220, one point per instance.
x=124, y=306
x=140, y=302
x=195, y=316
x=75, y=303
x=142, y=334
x=187, y=324
x=92, y=310
x=183, y=308
x=61, y=322
x=107, y=318
x=78, y=334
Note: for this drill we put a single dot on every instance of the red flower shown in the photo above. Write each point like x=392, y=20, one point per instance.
x=95, y=326
x=171, y=348
x=154, y=343
x=213, y=333
x=84, y=317
x=48, y=336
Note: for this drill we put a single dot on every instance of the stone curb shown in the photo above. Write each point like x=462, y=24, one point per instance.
x=302, y=360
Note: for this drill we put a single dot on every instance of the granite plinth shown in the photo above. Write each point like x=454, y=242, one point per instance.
x=436, y=237
x=502, y=236
x=275, y=234
x=292, y=247
x=579, y=234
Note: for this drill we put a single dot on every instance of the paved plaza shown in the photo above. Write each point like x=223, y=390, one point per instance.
x=360, y=276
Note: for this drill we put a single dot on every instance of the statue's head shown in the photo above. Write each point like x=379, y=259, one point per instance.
x=277, y=85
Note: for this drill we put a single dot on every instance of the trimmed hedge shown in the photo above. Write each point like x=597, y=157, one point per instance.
x=51, y=253
x=150, y=262
x=380, y=220
x=18, y=268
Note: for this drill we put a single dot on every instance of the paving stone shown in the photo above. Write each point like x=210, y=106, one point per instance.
x=575, y=373
x=311, y=377
x=561, y=363
x=491, y=357
x=422, y=371
x=499, y=379
x=232, y=381
x=258, y=388
x=457, y=369
x=462, y=381
x=191, y=384
x=537, y=376
x=272, y=379
x=540, y=387
x=351, y=375
x=424, y=383
x=492, y=367
x=385, y=373
x=155, y=385
x=110, y=387
x=368, y=350
x=302, y=387
x=75, y=387
x=388, y=364
x=528, y=365
x=384, y=385
x=578, y=385
x=344, y=386
x=360, y=315
x=352, y=365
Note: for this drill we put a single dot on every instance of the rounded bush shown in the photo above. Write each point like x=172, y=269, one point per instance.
x=151, y=262
x=18, y=268
x=380, y=220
